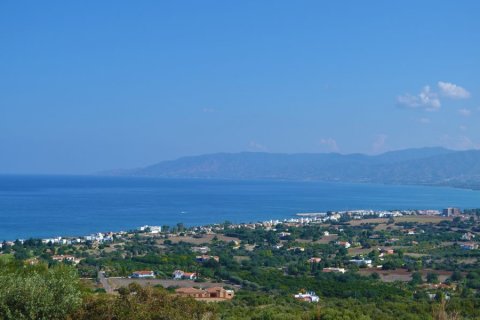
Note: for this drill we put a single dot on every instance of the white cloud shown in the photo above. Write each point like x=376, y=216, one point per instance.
x=465, y=143
x=451, y=90
x=425, y=99
x=461, y=142
x=379, y=143
x=330, y=144
x=255, y=146
x=208, y=110
x=424, y=120
x=465, y=112
x=429, y=99
x=463, y=128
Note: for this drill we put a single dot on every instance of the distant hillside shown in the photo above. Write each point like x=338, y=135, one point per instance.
x=432, y=166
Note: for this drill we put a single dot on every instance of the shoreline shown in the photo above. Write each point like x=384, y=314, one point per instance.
x=301, y=218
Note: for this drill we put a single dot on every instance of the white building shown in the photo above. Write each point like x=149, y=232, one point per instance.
x=308, y=297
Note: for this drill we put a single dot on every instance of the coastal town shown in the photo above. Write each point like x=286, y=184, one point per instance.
x=433, y=252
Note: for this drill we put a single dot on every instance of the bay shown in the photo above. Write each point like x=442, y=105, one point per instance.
x=47, y=206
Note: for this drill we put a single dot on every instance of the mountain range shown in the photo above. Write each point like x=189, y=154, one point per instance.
x=425, y=166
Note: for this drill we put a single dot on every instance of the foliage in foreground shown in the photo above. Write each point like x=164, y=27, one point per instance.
x=36, y=292
x=138, y=303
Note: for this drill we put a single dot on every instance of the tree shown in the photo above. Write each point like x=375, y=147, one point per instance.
x=416, y=278
x=38, y=293
x=137, y=303
x=432, y=277
x=456, y=276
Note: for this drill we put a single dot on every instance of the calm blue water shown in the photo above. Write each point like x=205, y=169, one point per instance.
x=44, y=206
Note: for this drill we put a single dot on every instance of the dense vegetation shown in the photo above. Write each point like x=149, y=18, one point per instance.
x=266, y=266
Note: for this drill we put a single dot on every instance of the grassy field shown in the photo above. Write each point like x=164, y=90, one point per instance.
x=418, y=219
x=402, y=274
x=123, y=282
x=205, y=239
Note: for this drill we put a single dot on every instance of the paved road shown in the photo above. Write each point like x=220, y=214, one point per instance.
x=104, y=281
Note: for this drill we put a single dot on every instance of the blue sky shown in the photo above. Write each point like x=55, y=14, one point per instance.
x=93, y=85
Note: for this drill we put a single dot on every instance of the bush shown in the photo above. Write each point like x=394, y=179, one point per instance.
x=38, y=293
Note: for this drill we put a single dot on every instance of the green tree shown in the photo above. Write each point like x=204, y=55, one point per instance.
x=38, y=293
x=432, y=277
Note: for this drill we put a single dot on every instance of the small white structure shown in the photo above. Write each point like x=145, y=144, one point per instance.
x=63, y=258
x=469, y=246
x=307, y=297
x=179, y=274
x=151, y=229
x=332, y=269
x=361, y=262
x=344, y=244
x=143, y=274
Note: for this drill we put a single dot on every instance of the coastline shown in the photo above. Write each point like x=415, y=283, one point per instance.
x=302, y=218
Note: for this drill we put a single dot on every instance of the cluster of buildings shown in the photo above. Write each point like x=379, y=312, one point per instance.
x=451, y=212
x=96, y=237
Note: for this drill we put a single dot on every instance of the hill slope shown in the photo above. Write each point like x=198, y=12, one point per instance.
x=433, y=166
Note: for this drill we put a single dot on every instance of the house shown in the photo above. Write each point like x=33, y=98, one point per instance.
x=331, y=269
x=179, y=274
x=469, y=246
x=361, y=262
x=344, y=244
x=307, y=297
x=209, y=293
x=220, y=293
x=151, y=229
x=143, y=274
x=204, y=258
x=385, y=252
x=468, y=236
x=296, y=249
x=202, y=250
x=63, y=258
x=315, y=260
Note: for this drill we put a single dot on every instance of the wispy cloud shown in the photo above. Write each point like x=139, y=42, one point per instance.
x=208, y=110
x=460, y=142
x=452, y=90
x=379, y=143
x=255, y=146
x=330, y=144
x=424, y=120
x=465, y=112
x=426, y=99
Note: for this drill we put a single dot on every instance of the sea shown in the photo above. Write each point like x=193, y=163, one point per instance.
x=48, y=206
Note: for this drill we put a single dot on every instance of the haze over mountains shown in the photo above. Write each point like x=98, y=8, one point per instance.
x=429, y=166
